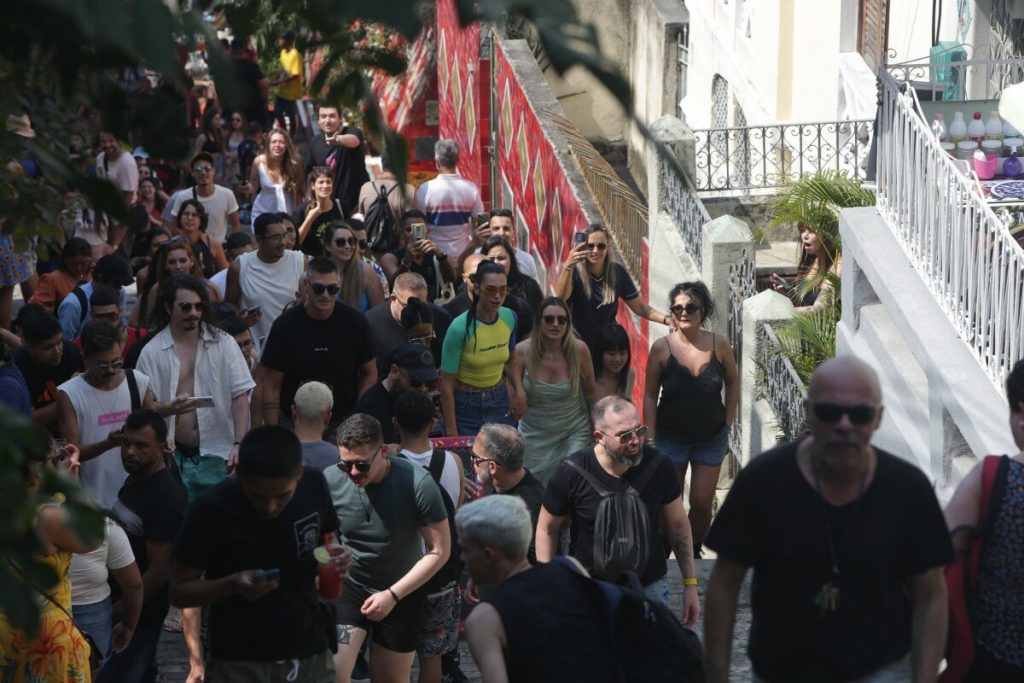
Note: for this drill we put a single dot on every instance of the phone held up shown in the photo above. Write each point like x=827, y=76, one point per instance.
x=266, y=575
x=419, y=231
x=579, y=238
x=482, y=218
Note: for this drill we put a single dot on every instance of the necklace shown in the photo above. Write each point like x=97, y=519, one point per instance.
x=827, y=598
x=557, y=355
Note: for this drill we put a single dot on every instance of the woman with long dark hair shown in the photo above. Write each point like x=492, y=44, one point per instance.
x=480, y=380
x=501, y=251
x=192, y=226
x=558, y=378
x=613, y=362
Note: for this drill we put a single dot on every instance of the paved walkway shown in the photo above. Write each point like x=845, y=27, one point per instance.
x=173, y=661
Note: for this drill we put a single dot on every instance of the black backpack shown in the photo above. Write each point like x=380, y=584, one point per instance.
x=648, y=642
x=622, y=527
x=450, y=571
x=381, y=232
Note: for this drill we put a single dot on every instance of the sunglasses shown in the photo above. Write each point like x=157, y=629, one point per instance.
x=346, y=241
x=426, y=338
x=363, y=244
x=109, y=317
x=188, y=307
x=600, y=246
x=637, y=433
x=202, y=169
x=833, y=412
x=554, y=319
x=491, y=290
x=319, y=289
x=112, y=365
x=688, y=309
x=362, y=466
x=477, y=461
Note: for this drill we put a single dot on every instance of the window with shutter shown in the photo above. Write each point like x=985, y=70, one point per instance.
x=873, y=36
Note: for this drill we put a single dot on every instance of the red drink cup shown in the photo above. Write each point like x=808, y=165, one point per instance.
x=327, y=571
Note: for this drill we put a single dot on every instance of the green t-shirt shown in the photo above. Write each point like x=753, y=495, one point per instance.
x=381, y=522
x=478, y=358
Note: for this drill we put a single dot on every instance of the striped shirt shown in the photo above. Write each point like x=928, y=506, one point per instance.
x=449, y=201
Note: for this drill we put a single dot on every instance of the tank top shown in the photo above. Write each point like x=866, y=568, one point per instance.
x=271, y=286
x=691, y=407
x=272, y=197
x=1000, y=602
x=553, y=626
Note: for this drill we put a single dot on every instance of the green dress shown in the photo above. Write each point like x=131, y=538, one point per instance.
x=556, y=425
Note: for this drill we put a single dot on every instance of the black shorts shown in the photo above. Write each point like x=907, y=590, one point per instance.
x=399, y=631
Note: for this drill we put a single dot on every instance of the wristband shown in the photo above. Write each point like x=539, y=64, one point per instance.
x=395, y=596
x=690, y=582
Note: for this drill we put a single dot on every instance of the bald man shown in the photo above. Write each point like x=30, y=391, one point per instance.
x=847, y=544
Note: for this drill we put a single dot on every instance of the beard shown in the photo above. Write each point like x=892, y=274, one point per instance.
x=621, y=458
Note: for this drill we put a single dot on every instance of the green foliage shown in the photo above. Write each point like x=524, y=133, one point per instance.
x=18, y=508
x=816, y=201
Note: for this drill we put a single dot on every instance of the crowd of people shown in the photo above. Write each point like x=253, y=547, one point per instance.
x=341, y=413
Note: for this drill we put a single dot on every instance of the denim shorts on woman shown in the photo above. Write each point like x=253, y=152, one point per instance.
x=709, y=452
x=475, y=408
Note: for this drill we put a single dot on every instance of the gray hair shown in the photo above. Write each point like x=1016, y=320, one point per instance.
x=312, y=401
x=609, y=404
x=504, y=445
x=498, y=521
x=446, y=153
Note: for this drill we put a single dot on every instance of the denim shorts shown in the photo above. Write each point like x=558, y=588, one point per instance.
x=709, y=452
x=474, y=409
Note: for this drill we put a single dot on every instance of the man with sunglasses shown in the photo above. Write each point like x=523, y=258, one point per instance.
x=411, y=368
x=386, y=319
x=105, y=305
x=847, y=543
x=620, y=463
x=320, y=340
x=220, y=202
x=113, y=270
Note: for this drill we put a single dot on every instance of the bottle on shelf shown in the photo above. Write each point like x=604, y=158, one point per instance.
x=958, y=129
x=1012, y=167
x=939, y=127
x=994, y=126
x=976, y=128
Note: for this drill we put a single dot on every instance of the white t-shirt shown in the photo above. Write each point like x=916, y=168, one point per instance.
x=219, y=206
x=449, y=475
x=100, y=412
x=220, y=281
x=123, y=172
x=89, y=571
x=271, y=286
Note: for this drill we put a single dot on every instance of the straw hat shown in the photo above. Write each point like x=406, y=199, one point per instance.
x=19, y=124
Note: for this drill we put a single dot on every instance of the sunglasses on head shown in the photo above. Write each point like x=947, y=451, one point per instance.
x=688, y=309
x=554, y=319
x=346, y=241
x=600, y=246
x=188, y=306
x=319, y=289
x=833, y=412
x=362, y=466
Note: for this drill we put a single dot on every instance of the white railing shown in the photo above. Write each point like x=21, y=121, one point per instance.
x=970, y=75
x=964, y=253
x=685, y=208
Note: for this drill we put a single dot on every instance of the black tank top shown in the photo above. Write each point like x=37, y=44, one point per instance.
x=553, y=626
x=205, y=256
x=691, y=407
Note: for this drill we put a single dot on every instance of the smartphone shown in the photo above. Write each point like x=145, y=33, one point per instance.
x=419, y=231
x=482, y=218
x=776, y=280
x=266, y=575
x=579, y=238
x=203, y=401
x=250, y=311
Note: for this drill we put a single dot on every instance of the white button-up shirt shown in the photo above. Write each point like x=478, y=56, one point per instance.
x=221, y=372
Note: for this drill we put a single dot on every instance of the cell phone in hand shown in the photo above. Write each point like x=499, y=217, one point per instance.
x=250, y=311
x=266, y=575
x=419, y=231
x=203, y=401
x=482, y=218
x=779, y=282
x=579, y=238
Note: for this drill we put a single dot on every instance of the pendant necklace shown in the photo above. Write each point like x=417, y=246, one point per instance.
x=827, y=598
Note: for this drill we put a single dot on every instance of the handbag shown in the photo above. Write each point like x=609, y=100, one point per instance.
x=962, y=575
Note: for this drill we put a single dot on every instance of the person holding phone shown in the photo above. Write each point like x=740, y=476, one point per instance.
x=592, y=282
x=251, y=548
x=422, y=255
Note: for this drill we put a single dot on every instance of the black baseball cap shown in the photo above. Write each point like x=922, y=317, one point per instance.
x=113, y=269
x=417, y=360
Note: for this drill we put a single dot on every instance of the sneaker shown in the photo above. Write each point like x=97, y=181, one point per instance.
x=172, y=622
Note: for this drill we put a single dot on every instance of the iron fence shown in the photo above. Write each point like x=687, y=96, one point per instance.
x=764, y=157
x=960, y=248
x=686, y=210
x=741, y=287
x=782, y=385
x=958, y=74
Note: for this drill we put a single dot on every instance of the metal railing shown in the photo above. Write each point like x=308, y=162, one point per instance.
x=742, y=286
x=765, y=157
x=686, y=210
x=782, y=385
x=623, y=212
x=964, y=253
x=969, y=75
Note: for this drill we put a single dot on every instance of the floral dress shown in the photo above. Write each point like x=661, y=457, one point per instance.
x=15, y=267
x=59, y=654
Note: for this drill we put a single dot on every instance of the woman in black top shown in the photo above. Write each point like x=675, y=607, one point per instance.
x=688, y=368
x=500, y=250
x=592, y=283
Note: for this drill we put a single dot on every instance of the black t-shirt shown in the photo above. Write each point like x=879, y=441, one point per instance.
x=223, y=534
x=388, y=335
x=313, y=245
x=348, y=164
x=531, y=491
x=524, y=314
x=377, y=402
x=568, y=493
x=42, y=381
x=328, y=351
x=248, y=96
x=131, y=359
x=151, y=510
x=590, y=315
x=774, y=521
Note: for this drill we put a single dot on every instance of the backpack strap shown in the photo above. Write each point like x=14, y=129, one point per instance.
x=436, y=466
x=133, y=389
x=654, y=457
x=83, y=303
x=588, y=477
x=383, y=191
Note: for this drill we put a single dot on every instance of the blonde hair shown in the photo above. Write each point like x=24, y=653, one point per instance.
x=313, y=400
x=352, y=285
x=291, y=165
x=609, y=295
x=568, y=345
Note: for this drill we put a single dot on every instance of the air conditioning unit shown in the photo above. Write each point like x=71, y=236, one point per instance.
x=953, y=77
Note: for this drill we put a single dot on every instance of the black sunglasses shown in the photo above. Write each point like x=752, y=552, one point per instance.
x=319, y=289
x=689, y=309
x=600, y=246
x=362, y=466
x=188, y=306
x=342, y=241
x=833, y=412
x=554, y=319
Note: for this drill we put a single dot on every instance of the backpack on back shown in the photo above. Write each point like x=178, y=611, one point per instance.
x=622, y=526
x=450, y=571
x=381, y=231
